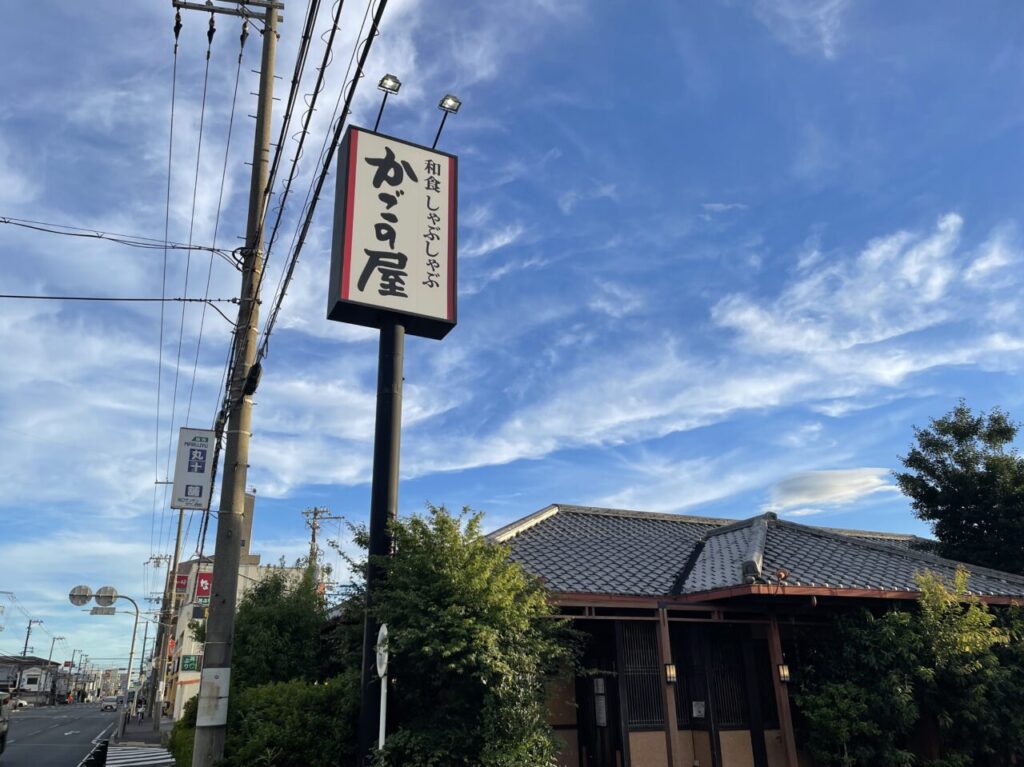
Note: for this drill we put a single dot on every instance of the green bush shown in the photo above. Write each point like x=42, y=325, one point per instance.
x=183, y=735
x=294, y=724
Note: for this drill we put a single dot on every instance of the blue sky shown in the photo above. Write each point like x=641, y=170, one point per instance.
x=716, y=257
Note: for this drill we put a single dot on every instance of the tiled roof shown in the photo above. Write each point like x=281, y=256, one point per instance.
x=578, y=549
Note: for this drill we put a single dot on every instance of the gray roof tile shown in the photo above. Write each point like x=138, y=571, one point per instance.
x=609, y=551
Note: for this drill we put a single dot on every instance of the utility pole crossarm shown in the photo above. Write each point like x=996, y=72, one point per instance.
x=241, y=10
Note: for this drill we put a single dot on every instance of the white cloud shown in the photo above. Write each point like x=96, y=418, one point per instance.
x=999, y=251
x=805, y=26
x=493, y=240
x=568, y=200
x=892, y=288
x=722, y=207
x=614, y=299
x=797, y=494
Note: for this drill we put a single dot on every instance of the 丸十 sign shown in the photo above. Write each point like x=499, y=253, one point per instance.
x=393, y=256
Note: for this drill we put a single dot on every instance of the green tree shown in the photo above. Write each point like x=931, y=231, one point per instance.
x=942, y=680
x=965, y=478
x=472, y=639
x=278, y=631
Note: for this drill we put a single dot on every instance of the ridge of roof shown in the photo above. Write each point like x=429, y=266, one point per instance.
x=509, y=531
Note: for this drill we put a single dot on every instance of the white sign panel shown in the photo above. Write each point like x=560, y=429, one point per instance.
x=394, y=235
x=193, y=472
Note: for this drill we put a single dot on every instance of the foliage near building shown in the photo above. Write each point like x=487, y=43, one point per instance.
x=964, y=477
x=472, y=640
x=277, y=631
x=941, y=681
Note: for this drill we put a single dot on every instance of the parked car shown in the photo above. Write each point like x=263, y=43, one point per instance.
x=108, y=703
x=5, y=718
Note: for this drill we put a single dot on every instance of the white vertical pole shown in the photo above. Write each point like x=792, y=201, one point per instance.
x=383, y=709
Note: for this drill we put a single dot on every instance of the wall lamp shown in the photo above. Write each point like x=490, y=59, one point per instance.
x=389, y=84
x=449, y=105
x=784, y=673
x=670, y=673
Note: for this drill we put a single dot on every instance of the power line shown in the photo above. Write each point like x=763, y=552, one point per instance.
x=188, y=264
x=279, y=298
x=216, y=221
x=163, y=293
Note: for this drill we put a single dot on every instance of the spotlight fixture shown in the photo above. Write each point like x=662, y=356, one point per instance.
x=389, y=84
x=449, y=105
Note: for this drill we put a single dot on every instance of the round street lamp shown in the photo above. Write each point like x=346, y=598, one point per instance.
x=80, y=596
x=105, y=596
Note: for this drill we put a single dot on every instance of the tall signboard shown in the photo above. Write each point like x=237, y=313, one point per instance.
x=393, y=267
x=394, y=235
x=193, y=471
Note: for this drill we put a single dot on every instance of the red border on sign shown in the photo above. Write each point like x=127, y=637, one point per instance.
x=350, y=202
x=452, y=169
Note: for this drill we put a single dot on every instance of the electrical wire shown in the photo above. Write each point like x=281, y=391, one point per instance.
x=163, y=288
x=131, y=240
x=279, y=299
x=191, y=227
x=220, y=201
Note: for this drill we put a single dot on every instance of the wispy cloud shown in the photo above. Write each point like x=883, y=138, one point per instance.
x=494, y=240
x=568, y=201
x=805, y=26
x=805, y=493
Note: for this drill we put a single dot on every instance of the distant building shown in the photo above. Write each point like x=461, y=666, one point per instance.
x=29, y=677
x=193, y=599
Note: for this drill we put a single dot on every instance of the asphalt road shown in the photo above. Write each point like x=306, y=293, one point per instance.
x=60, y=736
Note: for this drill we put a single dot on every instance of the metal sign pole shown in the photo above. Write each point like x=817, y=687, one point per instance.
x=383, y=509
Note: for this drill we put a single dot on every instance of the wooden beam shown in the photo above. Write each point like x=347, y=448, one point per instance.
x=668, y=691
x=781, y=693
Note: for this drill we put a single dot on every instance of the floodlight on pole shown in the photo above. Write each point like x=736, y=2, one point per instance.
x=449, y=105
x=389, y=84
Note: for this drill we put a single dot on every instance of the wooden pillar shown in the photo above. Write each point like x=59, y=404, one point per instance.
x=668, y=691
x=781, y=693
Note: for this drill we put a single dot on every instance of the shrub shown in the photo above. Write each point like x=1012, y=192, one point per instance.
x=183, y=735
x=294, y=724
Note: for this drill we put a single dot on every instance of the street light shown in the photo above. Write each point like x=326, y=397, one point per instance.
x=449, y=105
x=79, y=596
x=389, y=84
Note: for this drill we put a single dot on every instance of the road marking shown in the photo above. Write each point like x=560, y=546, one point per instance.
x=72, y=732
x=103, y=732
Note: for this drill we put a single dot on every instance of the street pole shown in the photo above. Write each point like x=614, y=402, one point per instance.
x=131, y=662
x=387, y=440
x=211, y=721
x=28, y=633
x=49, y=660
x=166, y=628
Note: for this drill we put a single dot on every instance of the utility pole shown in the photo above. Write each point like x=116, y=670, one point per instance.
x=211, y=723
x=314, y=517
x=166, y=629
x=28, y=633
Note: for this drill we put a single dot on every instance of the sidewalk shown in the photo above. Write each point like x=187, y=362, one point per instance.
x=143, y=735
x=141, y=746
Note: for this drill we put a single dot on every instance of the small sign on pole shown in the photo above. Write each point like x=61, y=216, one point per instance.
x=204, y=587
x=193, y=470
x=180, y=583
x=103, y=611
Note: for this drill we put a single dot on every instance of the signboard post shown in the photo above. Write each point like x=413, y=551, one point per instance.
x=393, y=267
x=193, y=469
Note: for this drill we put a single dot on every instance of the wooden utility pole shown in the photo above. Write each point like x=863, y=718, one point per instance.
x=211, y=724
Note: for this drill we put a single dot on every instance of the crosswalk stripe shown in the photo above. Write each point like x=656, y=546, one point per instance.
x=130, y=756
